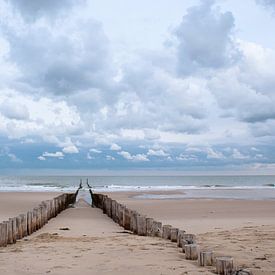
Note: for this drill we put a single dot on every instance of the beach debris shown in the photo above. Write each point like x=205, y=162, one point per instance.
x=224, y=265
x=64, y=228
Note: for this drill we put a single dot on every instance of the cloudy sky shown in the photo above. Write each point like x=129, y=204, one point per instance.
x=174, y=85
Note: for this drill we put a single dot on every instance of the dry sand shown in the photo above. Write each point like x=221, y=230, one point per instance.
x=96, y=245
x=240, y=228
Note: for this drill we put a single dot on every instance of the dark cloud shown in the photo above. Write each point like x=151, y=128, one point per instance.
x=267, y=3
x=204, y=38
x=31, y=10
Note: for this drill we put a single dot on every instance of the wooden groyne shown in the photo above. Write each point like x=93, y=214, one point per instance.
x=25, y=224
x=141, y=225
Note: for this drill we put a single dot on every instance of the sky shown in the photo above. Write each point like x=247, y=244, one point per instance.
x=137, y=85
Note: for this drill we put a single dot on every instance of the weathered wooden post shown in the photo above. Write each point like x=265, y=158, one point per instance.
x=3, y=234
x=141, y=225
x=180, y=236
x=29, y=222
x=14, y=229
x=114, y=209
x=24, y=225
x=174, y=234
x=187, y=239
x=133, y=225
x=19, y=229
x=126, y=218
x=191, y=252
x=224, y=265
x=104, y=202
x=157, y=229
x=205, y=258
x=9, y=232
x=166, y=232
x=149, y=225
x=121, y=214
x=109, y=207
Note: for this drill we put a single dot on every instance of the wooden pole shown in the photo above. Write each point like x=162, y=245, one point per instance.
x=133, y=226
x=205, y=258
x=157, y=229
x=174, y=234
x=141, y=225
x=18, y=228
x=14, y=230
x=3, y=234
x=126, y=218
x=166, y=232
x=29, y=222
x=9, y=232
x=179, y=239
x=191, y=252
x=224, y=265
x=187, y=239
x=149, y=226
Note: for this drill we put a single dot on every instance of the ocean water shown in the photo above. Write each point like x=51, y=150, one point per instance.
x=240, y=187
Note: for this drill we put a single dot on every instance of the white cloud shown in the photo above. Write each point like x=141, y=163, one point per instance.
x=238, y=155
x=57, y=154
x=41, y=158
x=157, y=153
x=95, y=151
x=115, y=147
x=72, y=149
x=108, y=157
x=213, y=154
x=137, y=157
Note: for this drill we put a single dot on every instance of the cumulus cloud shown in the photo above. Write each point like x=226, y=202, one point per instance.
x=115, y=147
x=205, y=88
x=12, y=109
x=108, y=157
x=135, y=158
x=57, y=154
x=72, y=149
x=204, y=37
x=32, y=10
x=157, y=153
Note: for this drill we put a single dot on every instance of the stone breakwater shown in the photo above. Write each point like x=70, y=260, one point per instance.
x=142, y=225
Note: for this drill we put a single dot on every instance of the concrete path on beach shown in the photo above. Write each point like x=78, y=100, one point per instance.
x=82, y=240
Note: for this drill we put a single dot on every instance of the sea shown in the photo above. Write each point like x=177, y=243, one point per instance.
x=189, y=187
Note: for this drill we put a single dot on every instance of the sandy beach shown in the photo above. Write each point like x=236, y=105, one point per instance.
x=244, y=229
x=94, y=244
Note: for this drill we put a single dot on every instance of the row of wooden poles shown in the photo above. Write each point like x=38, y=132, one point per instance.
x=25, y=224
x=144, y=226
